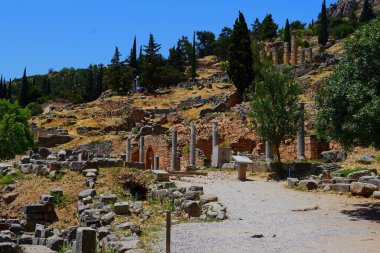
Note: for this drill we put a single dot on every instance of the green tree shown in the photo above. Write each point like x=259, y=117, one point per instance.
x=205, y=45
x=222, y=44
x=10, y=89
x=186, y=47
x=15, y=134
x=274, y=112
x=287, y=32
x=268, y=28
x=133, y=56
x=24, y=91
x=34, y=108
x=256, y=29
x=323, y=35
x=350, y=100
x=297, y=25
x=193, y=61
x=367, y=12
x=240, y=56
x=90, y=94
x=152, y=61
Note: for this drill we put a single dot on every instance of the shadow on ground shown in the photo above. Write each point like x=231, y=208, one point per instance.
x=367, y=211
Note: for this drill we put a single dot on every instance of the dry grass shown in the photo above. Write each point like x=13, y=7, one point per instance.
x=352, y=159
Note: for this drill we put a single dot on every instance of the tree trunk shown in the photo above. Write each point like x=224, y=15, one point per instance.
x=278, y=152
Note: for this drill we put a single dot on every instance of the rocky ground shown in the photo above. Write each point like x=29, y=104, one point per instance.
x=267, y=217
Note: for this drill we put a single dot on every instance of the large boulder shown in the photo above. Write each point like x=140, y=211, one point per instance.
x=293, y=182
x=358, y=174
x=54, y=243
x=375, y=180
x=333, y=156
x=362, y=189
x=309, y=184
x=192, y=208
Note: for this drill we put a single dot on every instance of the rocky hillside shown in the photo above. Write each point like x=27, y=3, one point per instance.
x=343, y=7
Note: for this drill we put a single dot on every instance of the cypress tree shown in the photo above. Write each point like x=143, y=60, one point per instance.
x=287, y=32
x=323, y=35
x=1, y=88
x=240, y=56
x=89, y=96
x=133, y=56
x=367, y=12
x=10, y=89
x=24, y=91
x=193, y=61
x=151, y=64
x=140, y=61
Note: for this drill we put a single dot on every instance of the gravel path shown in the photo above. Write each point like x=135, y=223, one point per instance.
x=340, y=224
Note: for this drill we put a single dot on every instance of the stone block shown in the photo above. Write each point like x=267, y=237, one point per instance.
x=376, y=194
x=108, y=198
x=309, y=184
x=47, y=199
x=85, y=240
x=358, y=174
x=54, y=243
x=161, y=175
x=35, y=249
x=35, y=208
x=85, y=193
x=340, y=187
x=293, y=182
x=362, y=189
x=122, y=208
x=107, y=218
x=192, y=208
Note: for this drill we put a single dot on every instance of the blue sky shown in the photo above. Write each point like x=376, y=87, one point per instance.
x=43, y=34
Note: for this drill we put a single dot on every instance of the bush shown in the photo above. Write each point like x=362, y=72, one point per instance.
x=61, y=200
x=342, y=31
x=34, y=108
x=186, y=149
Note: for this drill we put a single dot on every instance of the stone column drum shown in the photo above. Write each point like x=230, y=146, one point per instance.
x=301, y=133
x=274, y=56
x=174, y=151
x=294, y=48
x=286, y=53
x=193, y=140
x=309, y=54
x=141, y=153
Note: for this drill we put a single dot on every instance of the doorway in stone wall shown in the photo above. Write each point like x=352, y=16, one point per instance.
x=149, y=158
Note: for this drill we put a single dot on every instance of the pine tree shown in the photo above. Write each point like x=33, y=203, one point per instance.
x=240, y=56
x=323, y=35
x=1, y=88
x=24, y=91
x=140, y=61
x=367, y=12
x=90, y=87
x=99, y=81
x=268, y=28
x=48, y=87
x=133, y=56
x=151, y=64
x=256, y=28
x=193, y=61
x=287, y=32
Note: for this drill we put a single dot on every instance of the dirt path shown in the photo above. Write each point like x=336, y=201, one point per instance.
x=340, y=224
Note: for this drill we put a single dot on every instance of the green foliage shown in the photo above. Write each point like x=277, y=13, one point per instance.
x=56, y=176
x=225, y=144
x=222, y=44
x=342, y=31
x=287, y=36
x=205, y=45
x=240, y=56
x=24, y=91
x=268, y=28
x=61, y=199
x=345, y=172
x=350, y=100
x=15, y=134
x=186, y=149
x=193, y=61
x=323, y=34
x=367, y=12
x=5, y=180
x=274, y=112
x=151, y=63
x=34, y=108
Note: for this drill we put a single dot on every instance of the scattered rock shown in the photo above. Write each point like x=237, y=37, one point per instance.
x=362, y=189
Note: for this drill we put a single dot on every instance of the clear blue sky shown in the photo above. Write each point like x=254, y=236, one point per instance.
x=43, y=34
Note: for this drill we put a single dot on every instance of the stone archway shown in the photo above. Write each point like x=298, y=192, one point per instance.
x=149, y=158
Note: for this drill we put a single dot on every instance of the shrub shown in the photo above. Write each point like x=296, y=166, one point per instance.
x=225, y=144
x=34, y=108
x=61, y=200
x=186, y=149
x=342, y=31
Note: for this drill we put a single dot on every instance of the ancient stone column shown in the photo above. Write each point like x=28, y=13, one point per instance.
x=141, y=153
x=309, y=54
x=156, y=165
x=128, y=151
x=174, y=150
x=286, y=53
x=302, y=57
x=214, y=135
x=301, y=133
x=268, y=152
x=274, y=56
x=193, y=140
x=294, y=48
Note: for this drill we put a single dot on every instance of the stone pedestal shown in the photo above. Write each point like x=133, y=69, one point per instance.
x=242, y=172
x=141, y=151
x=161, y=175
